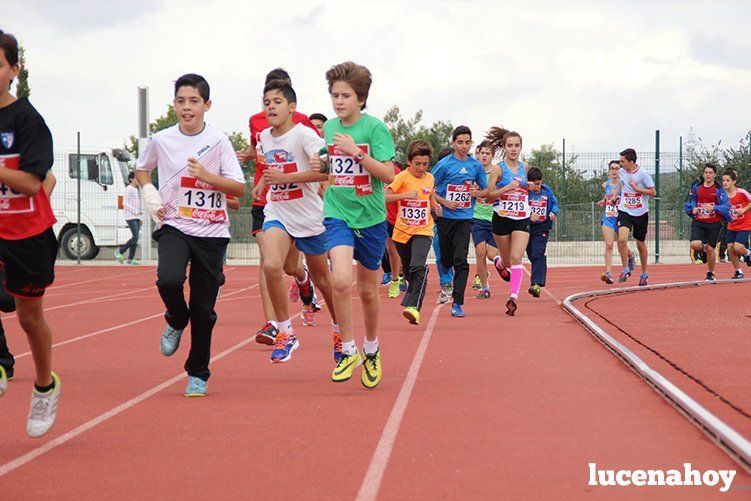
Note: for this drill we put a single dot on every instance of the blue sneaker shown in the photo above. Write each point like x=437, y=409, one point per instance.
x=643, y=279
x=631, y=262
x=456, y=311
x=284, y=345
x=402, y=284
x=624, y=276
x=386, y=279
x=170, y=340
x=196, y=387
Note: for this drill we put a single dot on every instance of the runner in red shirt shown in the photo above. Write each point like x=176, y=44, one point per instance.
x=302, y=287
x=28, y=246
x=707, y=204
x=739, y=227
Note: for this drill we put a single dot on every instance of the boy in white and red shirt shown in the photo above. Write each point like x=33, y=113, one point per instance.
x=294, y=210
x=28, y=246
x=302, y=287
x=739, y=227
x=198, y=169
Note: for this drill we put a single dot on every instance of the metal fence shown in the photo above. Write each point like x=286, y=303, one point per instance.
x=576, y=238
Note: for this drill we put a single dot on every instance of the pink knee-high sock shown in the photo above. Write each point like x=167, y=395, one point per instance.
x=516, y=279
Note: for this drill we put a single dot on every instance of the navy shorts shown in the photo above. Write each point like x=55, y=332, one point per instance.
x=739, y=237
x=482, y=231
x=315, y=245
x=369, y=243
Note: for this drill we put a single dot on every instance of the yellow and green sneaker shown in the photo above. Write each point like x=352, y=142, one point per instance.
x=394, y=289
x=412, y=314
x=3, y=381
x=476, y=283
x=371, y=372
x=347, y=364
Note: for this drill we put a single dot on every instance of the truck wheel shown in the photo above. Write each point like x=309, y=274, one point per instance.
x=69, y=244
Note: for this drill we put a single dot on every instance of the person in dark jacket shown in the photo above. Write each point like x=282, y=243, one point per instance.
x=543, y=207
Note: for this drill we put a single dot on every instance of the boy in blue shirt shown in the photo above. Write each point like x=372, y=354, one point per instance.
x=543, y=208
x=455, y=179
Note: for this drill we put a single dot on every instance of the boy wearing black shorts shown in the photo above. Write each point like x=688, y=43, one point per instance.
x=707, y=205
x=637, y=187
x=28, y=246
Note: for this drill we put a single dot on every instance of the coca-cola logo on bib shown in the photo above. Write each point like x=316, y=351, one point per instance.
x=213, y=216
x=203, y=185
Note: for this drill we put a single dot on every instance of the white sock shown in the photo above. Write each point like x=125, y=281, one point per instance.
x=335, y=327
x=370, y=347
x=349, y=348
x=285, y=326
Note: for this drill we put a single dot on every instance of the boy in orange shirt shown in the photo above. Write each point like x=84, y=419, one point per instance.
x=413, y=189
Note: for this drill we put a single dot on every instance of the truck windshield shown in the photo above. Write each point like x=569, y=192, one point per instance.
x=124, y=162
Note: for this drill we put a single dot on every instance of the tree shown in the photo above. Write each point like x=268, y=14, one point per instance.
x=405, y=131
x=22, y=84
x=167, y=120
x=577, y=188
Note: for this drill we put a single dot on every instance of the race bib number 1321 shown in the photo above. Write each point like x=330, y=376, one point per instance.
x=345, y=171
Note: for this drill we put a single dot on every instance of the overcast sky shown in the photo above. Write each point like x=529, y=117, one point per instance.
x=604, y=75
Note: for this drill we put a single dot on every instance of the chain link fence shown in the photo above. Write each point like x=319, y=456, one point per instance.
x=576, y=238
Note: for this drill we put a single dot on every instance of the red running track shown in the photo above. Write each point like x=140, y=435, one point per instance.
x=500, y=407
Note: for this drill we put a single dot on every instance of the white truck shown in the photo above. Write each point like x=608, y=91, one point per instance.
x=104, y=176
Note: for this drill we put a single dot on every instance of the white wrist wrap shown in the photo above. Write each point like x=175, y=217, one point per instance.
x=153, y=200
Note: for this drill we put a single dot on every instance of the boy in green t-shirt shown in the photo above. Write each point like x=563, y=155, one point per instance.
x=360, y=150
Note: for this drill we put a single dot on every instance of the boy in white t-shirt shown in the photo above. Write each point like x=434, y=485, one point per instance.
x=637, y=187
x=197, y=170
x=294, y=210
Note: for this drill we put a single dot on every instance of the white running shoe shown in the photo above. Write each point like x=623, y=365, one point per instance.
x=43, y=410
x=445, y=295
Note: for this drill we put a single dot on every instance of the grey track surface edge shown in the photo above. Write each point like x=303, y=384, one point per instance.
x=725, y=437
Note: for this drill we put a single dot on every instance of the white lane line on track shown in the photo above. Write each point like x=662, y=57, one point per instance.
x=66, y=437
x=108, y=277
x=374, y=475
x=52, y=444
x=127, y=324
x=87, y=301
x=545, y=289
